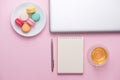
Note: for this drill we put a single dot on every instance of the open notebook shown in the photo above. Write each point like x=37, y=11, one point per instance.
x=70, y=55
x=84, y=15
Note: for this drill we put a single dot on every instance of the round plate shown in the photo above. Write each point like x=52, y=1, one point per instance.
x=37, y=28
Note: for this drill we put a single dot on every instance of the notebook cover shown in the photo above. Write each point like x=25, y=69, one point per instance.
x=70, y=55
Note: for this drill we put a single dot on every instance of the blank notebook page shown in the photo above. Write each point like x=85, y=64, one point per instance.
x=70, y=55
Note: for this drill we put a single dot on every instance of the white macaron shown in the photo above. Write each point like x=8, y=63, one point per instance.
x=24, y=16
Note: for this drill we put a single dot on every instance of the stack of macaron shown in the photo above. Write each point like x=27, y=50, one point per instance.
x=28, y=19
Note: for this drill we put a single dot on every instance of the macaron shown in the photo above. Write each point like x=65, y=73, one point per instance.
x=35, y=17
x=30, y=22
x=24, y=16
x=19, y=22
x=31, y=9
x=26, y=28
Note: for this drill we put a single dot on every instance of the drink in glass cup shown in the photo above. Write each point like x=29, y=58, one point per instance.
x=98, y=56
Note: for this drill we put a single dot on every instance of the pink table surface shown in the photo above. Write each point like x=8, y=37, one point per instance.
x=30, y=58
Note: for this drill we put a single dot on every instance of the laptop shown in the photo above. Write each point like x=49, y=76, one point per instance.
x=84, y=15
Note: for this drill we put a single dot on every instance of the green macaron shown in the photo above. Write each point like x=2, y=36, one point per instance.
x=35, y=17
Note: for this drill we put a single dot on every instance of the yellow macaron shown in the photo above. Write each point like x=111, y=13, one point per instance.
x=31, y=9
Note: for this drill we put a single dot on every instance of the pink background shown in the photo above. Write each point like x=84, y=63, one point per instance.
x=30, y=58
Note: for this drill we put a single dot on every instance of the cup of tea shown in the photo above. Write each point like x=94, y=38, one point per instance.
x=97, y=56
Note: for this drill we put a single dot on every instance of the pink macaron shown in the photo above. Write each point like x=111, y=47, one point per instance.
x=30, y=22
x=19, y=22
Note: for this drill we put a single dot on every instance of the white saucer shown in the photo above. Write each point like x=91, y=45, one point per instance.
x=38, y=25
